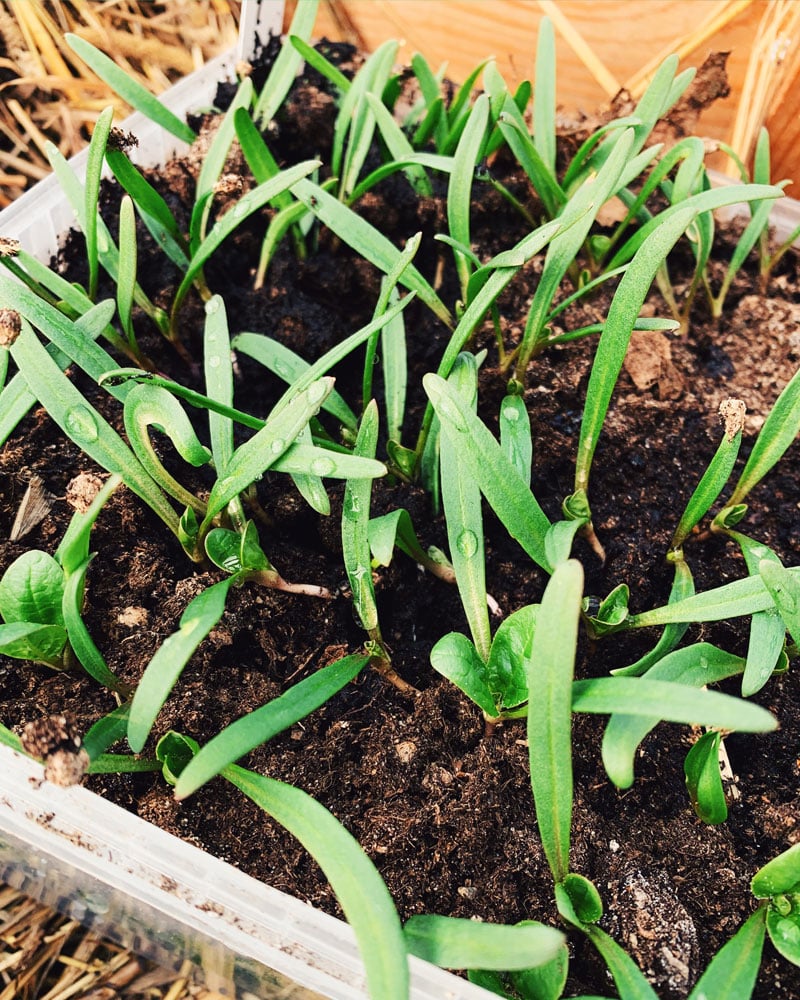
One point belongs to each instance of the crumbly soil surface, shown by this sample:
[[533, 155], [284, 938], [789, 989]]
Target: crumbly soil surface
[[445, 813]]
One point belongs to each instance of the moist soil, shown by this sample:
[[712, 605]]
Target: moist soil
[[444, 811]]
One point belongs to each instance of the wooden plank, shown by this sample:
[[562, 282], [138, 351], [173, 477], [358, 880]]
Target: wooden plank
[[622, 35]]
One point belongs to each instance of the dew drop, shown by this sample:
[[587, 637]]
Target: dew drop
[[239, 211], [510, 414], [81, 424], [282, 371], [214, 361], [467, 543], [351, 508], [278, 446], [322, 466], [451, 414], [212, 306], [317, 391]]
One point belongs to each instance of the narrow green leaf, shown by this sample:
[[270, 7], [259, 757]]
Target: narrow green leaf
[[742, 597], [260, 348], [74, 339], [232, 219], [777, 432], [670, 702], [461, 498], [264, 723], [356, 110], [578, 216], [715, 476], [703, 779], [126, 280], [83, 646], [359, 888], [682, 587], [94, 167], [509, 497], [147, 405], [284, 69], [162, 672], [129, 89], [784, 588], [781, 874], [628, 978], [732, 972], [458, 943], [322, 65], [213, 163], [459, 190], [260, 452], [107, 731], [697, 666], [399, 147], [355, 521], [544, 95], [394, 361], [366, 240], [625, 307], [705, 201], [73, 549], [549, 663], [515, 435], [154, 211]]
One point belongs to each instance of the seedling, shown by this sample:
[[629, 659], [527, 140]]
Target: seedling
[[41, 601]]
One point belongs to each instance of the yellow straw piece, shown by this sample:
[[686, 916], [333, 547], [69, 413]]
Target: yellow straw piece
[[773, 52], [719, 15], [581, 48]]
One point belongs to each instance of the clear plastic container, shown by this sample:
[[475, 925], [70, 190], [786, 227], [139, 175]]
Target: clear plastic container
[[128, 880]]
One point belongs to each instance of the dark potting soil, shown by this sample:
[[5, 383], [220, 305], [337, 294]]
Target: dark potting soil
[[446, 813]]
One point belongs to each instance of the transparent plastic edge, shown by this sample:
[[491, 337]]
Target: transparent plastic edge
[[173, 902]]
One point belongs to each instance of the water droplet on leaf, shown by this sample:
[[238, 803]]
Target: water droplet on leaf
[[212, 306], [322, 466], [317, 392], [81, 424], [451, 414], [278, 446], [467, 543], [351, 508]]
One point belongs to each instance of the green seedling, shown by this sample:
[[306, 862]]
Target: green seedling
[[396, 530], [507, 494], [260, 726], [469, 152], [703, 778], [757, 230], [359, 888], [778, 883], [151, 207], [454, 943], [285, 68], [356, 550], [100, 246], [392, 339], [461, 498], [41, 601]]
